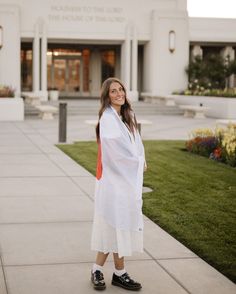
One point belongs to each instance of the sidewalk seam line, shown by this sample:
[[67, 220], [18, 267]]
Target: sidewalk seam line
[[4, 274], [68, 263], [45, 153], [87, 194], [174, 278], [177, 258], [46, 222], [70, 177]]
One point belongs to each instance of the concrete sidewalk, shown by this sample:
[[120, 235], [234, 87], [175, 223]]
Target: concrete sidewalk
[[46, 209]]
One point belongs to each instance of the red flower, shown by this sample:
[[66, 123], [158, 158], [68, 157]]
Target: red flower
[[217, 152]]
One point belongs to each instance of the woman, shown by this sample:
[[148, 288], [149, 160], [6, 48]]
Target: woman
[[118, 220]]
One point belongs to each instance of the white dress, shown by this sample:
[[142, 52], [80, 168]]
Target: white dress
[[118, 219]]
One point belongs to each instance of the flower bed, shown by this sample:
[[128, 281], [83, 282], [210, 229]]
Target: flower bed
[[219, 145], [201, 91], [6, 91]]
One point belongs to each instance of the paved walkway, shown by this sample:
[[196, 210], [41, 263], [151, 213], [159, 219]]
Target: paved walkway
[[46, 208]]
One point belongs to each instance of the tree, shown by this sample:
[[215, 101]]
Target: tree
[[210, 72]]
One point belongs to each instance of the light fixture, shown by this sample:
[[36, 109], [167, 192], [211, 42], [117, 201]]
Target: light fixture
[[1, 37], [172, 41]]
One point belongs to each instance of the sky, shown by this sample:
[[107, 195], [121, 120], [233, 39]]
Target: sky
[[212, 8]]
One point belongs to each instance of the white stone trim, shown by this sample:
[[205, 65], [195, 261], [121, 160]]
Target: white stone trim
[[11, 109]]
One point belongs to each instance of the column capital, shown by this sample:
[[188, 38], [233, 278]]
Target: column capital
[[228, 51], [196, 51]]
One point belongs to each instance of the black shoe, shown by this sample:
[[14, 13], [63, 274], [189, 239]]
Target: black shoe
[[125, 282], [98, 280]]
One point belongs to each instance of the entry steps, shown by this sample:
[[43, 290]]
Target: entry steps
[[91, 107]]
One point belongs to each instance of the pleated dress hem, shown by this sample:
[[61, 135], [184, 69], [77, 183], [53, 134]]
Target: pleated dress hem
[[108, 239]]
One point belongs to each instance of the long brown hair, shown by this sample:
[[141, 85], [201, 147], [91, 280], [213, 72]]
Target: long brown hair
[[126, 110]]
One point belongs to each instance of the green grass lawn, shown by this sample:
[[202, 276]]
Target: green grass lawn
[[193, 198]]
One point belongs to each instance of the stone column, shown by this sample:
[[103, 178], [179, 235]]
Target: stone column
[[130, 67], [44, 62], [117, 64], [36, 59], [166, 69], [229, 53], [122, 62], [196, 51], [95, 73], [181, 4], [134, 60], [125, 59]]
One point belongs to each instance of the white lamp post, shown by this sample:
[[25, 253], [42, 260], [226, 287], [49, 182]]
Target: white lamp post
[[1, 36], [172, 41]]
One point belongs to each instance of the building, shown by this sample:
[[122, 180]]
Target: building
[[73, 45]]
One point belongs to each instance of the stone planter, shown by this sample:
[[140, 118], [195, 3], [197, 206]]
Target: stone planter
[[11, 109], [219, 107], [53, 95]]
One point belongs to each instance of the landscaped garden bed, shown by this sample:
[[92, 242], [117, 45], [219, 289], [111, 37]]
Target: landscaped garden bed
[[219, 145], [211, 85]]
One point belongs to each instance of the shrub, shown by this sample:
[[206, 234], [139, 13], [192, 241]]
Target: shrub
[[210, 73], [6, 91]]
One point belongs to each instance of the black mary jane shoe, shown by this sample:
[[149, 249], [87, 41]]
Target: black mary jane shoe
[[97, 280], [125, 282]]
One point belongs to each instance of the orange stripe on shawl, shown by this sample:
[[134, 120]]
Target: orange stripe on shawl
[[99, 163]]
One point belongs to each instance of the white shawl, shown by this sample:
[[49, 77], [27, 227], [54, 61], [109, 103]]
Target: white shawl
[[118, 194]]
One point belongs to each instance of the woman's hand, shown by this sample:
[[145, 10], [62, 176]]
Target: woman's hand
[[145, 166]]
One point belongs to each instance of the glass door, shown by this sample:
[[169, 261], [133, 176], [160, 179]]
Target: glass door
[[59, 74], [68, 71], [74, 78], [67, 76]]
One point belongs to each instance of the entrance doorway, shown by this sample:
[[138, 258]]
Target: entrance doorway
[[67, 75], [68, 71], [79, 70], [76, 70]]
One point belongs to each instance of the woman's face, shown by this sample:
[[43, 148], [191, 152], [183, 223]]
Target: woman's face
[[116, 95]]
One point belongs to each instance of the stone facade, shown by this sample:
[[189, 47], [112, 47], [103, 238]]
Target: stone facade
[[74, 45]]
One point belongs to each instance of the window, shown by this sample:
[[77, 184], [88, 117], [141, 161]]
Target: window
[[108, 64], [26, 67]]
